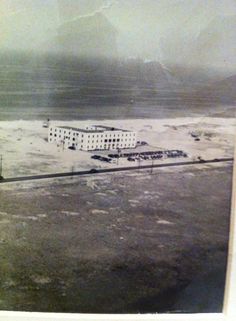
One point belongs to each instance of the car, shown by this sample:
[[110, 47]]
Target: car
[[72, 147], [201, 160]]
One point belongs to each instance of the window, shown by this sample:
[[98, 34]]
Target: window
[[50, 134], [114, 140], [109, 140], [105, 140]]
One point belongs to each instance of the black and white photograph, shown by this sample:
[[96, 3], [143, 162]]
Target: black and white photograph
[[117, 138]]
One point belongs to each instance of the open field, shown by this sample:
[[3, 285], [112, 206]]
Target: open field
[[26, 150], [117, 243]]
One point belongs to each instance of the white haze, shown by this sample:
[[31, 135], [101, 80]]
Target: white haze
[[164, 30]]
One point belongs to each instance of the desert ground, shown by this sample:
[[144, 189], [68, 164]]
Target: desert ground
[[117, 243], [128, 242], [26, 151]]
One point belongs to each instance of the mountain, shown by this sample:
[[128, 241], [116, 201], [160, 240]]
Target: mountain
[[217, 42], [212, 46], [91, 36], [224, 90]]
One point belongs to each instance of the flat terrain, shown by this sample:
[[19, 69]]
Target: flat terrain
[[26, 151], [124, 242]]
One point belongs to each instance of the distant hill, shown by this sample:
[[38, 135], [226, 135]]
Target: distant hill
[[217, 43], [224, 90], [57, 80], [212, 47], [91, 36]]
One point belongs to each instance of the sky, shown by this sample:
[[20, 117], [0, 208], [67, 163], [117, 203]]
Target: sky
[[148, 29]]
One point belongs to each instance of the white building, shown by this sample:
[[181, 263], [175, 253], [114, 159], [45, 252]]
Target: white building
[[92, 138]]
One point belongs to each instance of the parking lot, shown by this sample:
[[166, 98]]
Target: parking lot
[[139, 156]]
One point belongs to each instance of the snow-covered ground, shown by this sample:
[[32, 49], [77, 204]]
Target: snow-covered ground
[[26, 151]]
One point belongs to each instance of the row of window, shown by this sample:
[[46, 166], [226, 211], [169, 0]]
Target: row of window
[[105, 140], [105, 146], [93, 136]]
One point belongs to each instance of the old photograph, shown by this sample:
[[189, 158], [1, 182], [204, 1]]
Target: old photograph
[[117, 134]]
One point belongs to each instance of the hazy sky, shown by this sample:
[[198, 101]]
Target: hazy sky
[[146, 28]]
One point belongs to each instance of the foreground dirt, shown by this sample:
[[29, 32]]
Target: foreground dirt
[[117, 243]]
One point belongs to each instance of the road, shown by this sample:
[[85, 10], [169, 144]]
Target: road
[[110, 170]]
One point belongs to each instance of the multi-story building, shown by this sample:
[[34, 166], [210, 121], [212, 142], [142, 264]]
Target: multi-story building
[[92, 138]]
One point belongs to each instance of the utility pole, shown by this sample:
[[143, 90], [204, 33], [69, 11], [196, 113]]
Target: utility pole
[[118, 158], [72, 171], [139, 162], [1, 166], [152, 165]]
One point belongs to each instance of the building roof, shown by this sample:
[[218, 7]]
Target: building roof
[[97, 129], [81, 130]]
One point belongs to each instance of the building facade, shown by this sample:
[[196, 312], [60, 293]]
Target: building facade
[[92, 138]]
